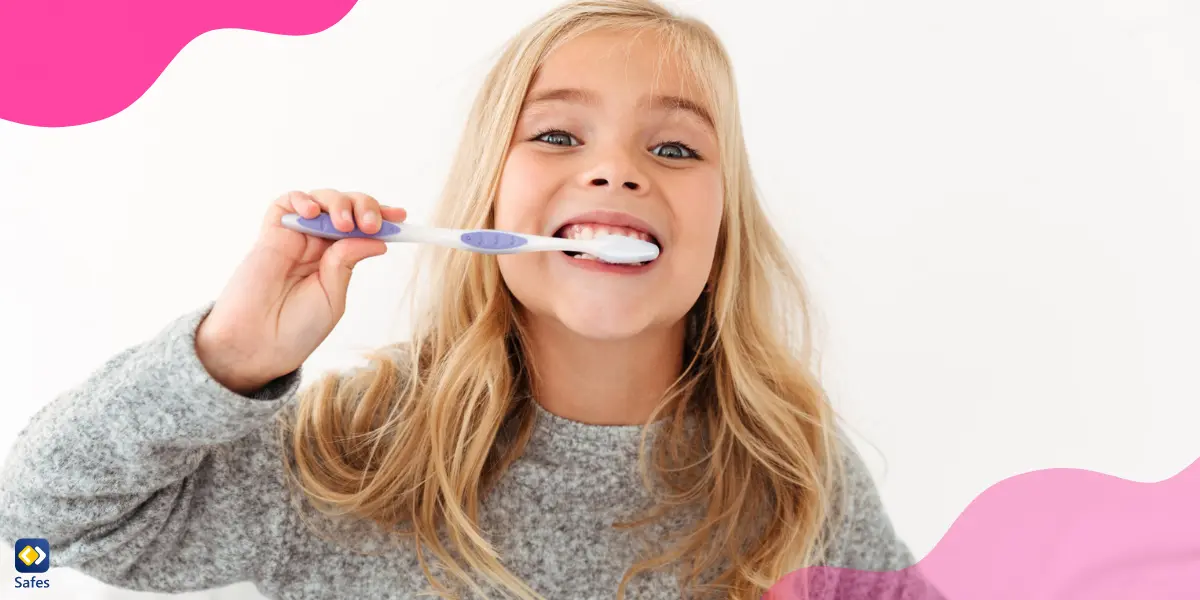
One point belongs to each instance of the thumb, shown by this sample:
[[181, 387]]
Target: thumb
[[339, 261]]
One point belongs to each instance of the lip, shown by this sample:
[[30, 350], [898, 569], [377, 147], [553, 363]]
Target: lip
[[613, 218]]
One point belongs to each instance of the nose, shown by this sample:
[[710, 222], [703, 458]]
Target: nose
[[629, 185], [616, 169]]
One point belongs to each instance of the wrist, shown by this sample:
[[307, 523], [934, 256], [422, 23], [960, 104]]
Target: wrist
[[219, 356]]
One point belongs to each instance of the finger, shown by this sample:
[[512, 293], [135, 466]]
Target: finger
[[304, 204], [366, 212], [339, 207], [338, 263], [393, 213], [291, 202]]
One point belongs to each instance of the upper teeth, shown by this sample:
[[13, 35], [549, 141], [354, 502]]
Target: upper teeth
[[587, 231]]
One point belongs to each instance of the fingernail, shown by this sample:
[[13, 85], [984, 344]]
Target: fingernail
[[348, 217], [369, 217]]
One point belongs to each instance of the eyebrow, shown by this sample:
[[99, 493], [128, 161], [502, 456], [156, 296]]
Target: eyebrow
[[590, 98]]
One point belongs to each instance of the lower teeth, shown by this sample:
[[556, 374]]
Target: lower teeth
[[585, 256]]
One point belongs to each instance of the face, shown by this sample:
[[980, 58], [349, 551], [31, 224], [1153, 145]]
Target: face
[[612, 140]]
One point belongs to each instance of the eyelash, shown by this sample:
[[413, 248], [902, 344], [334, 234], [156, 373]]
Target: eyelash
[[688, 149]]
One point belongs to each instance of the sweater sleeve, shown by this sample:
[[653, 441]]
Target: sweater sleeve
[[151, 475], [869, 559]]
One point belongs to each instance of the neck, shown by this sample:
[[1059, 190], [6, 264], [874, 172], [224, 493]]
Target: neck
[[603, 382]]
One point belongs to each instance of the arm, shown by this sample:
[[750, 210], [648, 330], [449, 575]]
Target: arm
[[151, 475]]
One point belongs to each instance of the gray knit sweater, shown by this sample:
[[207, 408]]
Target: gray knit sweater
[[152, 476]]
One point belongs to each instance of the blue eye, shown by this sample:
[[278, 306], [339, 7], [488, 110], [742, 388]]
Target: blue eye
[[674, 150], [557, 138]]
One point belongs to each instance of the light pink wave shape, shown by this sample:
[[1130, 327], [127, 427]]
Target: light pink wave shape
[[72, 62], [1055, 534]]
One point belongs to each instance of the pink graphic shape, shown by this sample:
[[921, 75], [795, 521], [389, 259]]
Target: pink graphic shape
[[1056, 534], [72, 62]]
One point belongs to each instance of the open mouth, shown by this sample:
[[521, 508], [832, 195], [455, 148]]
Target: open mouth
[[588, 231]]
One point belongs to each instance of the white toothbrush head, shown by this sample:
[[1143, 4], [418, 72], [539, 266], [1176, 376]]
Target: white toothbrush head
[[622, 250]]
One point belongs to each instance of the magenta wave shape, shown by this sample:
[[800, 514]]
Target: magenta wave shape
[[1055, 534], [73, 62]]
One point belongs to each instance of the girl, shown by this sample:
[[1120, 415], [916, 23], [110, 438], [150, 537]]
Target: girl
[[556, 427]]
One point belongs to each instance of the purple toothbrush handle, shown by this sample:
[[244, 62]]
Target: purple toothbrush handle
[[322, 226], [485, 239]]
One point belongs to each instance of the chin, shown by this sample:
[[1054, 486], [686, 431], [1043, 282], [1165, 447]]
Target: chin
[[602, 321]]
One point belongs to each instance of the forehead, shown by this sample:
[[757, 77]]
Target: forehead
[[616, 67], [638, 53]]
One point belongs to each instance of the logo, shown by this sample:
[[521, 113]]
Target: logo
[[33, 555]]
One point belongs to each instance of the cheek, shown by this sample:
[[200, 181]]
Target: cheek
[[698, 216], [521, 200], [523, 193]]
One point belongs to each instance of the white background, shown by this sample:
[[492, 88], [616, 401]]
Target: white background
[[997, 205]]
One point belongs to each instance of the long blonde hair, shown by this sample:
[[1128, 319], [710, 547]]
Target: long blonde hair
[[414, 442]]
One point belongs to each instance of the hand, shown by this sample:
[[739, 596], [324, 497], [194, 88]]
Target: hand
[[289, 292]]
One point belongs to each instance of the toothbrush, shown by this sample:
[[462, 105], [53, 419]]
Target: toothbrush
[[609, 248]]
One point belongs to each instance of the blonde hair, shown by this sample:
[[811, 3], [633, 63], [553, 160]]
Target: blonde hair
[[414, 442]]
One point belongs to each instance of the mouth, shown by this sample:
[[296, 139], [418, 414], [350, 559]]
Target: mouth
[[581, 230]]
